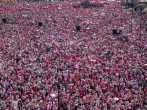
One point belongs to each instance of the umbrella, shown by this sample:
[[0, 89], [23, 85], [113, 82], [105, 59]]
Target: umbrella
[[92, 60], [53, 95], [103, 84], [116, 99], [76, 66]]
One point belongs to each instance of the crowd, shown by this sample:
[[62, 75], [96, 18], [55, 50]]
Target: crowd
[[55, 67]]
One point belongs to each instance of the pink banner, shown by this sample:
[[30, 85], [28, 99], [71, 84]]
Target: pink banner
[[26, 9]]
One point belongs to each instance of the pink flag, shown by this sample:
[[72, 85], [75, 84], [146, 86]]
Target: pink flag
[[103, 84]]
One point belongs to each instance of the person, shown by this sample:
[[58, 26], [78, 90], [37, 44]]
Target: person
[[15, 104]]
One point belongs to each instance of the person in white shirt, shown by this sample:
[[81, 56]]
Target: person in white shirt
[[15, 104]]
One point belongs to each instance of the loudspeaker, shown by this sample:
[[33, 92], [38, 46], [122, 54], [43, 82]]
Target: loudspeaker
[[135, 9], [78, 28], [125, 38], [130, 5], [114, 32], [54, 21], [40, 24], [17, 59], [76, 107], [120, 32], [119, 38], [4, 20]]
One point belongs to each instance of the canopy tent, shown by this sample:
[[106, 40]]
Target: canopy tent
[[9, 1]]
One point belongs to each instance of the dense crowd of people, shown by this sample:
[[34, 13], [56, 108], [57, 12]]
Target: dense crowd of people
[[56, 67]]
